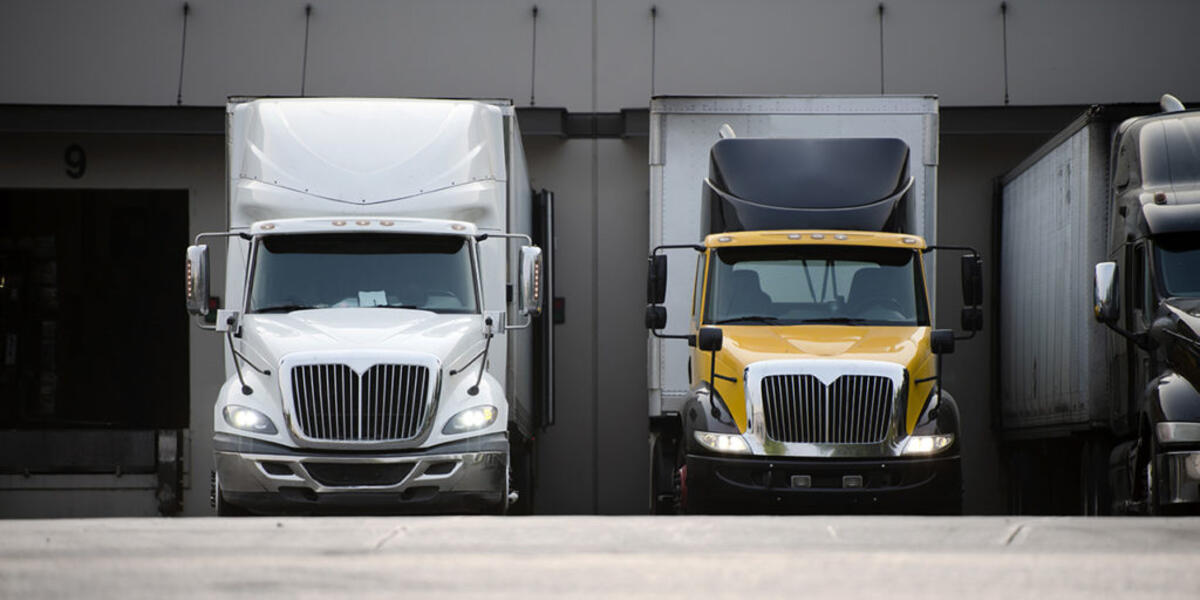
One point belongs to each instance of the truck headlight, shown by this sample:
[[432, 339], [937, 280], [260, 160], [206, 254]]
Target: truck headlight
[[471, 419], [728, 443], [923, 445], [248, 419]]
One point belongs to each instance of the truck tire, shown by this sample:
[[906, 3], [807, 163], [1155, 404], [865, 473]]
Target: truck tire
[[521, 476], [1147, 474], [663, 485]]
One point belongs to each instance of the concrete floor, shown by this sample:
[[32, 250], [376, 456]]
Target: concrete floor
[[700, 557]]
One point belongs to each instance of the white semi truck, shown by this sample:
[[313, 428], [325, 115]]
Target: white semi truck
[[385, 344]]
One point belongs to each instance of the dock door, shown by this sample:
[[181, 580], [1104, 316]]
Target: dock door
[[94, 371]]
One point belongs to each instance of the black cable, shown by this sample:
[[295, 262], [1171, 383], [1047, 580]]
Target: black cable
[[304, 65], [1004, 34], [533, 60], [182, 54], [880, 47], [653, 46]]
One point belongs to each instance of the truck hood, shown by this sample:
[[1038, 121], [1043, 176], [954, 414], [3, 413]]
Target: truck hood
[[746, 344], [273, 336]]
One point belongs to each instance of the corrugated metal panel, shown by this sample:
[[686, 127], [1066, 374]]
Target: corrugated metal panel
[[1054, 228]]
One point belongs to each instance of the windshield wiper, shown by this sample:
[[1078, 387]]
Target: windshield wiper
[[836, 320], [396, 305], [282, 308], [759, 318]]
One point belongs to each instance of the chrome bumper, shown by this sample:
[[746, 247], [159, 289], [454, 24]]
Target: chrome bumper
[[1181, 477], [254, 473]]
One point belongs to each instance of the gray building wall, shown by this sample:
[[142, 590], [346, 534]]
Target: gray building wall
[[590, 56]]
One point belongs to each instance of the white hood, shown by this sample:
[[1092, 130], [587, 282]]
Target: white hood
[[444, 336]]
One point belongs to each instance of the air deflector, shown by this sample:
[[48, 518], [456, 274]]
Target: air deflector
[[806, 183]]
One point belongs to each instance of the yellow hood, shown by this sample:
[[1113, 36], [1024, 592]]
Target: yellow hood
[[746, 344]]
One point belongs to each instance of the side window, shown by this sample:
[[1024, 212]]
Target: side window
[[698, 289]]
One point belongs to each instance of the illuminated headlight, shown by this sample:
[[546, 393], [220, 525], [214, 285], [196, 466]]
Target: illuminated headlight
[[248, 419], [471, 419], [728, 443], [928, 444]]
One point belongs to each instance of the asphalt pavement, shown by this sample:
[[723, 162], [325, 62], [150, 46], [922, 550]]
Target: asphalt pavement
[[606, 557]]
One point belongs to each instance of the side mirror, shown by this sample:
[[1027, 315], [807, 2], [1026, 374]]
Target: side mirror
[[941, 341], [972, 280], [710, 339], [656, 280], [1106, 303], [530, 278], [656, 317], [972, 318], [197, 280]]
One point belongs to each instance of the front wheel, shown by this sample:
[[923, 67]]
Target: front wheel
[[664, 482]]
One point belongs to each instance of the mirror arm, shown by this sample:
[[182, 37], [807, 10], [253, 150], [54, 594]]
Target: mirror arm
[[696, 247], [970, 335], [1141, 340]]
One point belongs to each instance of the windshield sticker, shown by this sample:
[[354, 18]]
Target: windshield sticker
[[368, 299]]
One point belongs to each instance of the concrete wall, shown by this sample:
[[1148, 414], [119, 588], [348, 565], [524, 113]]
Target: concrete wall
[[591, 56]]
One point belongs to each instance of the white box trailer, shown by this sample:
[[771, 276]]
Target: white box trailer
[[682, 132], [385, 348], [1053, 361]]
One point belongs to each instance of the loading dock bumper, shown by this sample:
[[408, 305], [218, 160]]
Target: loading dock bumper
[[823, 486], [469, 475]]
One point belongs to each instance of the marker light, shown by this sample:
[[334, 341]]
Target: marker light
[[909, 240], [267, 226], [728, 443], [723, 239], [338, 223], [362, 223], [248, 419], [841, 236], [928, 444], [387, 223], [818, 236], [471, 419], [458, 227], [794, 236]]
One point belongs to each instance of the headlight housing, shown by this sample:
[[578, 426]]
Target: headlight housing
[[248, 419], [925, 445], [725, 443], [471, 419]]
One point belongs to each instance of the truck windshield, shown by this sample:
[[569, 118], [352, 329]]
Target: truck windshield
[[801, 284], [426, 272], [1178, 257]]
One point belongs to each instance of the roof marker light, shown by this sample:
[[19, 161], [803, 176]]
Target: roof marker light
[[458, 227], [841, 236], [338, 223], [364, 223], [818, 236], [794, 236], [909, 240], [267, 226], [387, 223], [724, 239]]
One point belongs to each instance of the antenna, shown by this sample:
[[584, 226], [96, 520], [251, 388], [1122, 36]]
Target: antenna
[[1170, 104]]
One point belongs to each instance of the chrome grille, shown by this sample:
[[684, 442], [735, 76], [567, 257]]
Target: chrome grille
[[387, 403], [854, 409]]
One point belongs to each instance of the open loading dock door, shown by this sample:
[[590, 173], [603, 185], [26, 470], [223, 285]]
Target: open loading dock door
[[94, 372]]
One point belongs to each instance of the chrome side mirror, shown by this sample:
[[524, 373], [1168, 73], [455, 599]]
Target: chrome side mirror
[[1106, 304], [530, 278], [198, 294]]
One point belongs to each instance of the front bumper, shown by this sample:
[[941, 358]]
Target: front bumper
[[469, 475], [885, 485]]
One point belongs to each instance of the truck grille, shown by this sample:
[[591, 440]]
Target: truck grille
[[387, 403], [854, 409]]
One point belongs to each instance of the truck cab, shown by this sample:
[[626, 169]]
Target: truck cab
[[814, 363], [1148, 294], [374, 360]]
